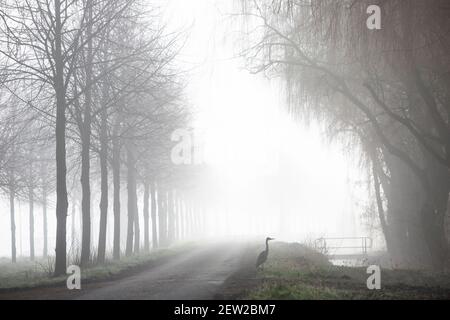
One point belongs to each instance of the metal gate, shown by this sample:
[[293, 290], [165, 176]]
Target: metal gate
[[333, 247]]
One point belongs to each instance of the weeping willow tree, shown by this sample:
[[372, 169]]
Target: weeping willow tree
[[386, 91]]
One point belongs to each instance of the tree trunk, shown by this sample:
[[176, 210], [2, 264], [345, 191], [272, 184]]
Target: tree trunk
[[190, 212], [195, 220], [104, 185], [86, 199], [132, 198], [179, 218], [381, 215], [202, 221], [72, 237], [176, 218], [116, 182], [60, 133], [170, 217], [137, 234], [146, 216], [182, 221], [13, 223], [162, 215], [154, 223], [31, 221], [44, 218], [377, 171], [433, 214], [86, 145], [187, 220]]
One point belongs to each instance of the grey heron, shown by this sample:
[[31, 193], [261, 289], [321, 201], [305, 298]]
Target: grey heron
[[263, 255]]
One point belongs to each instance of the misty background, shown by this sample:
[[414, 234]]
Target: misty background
[[296, 120], [269, 174]]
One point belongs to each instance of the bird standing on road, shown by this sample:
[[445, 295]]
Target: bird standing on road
[[263, 255]]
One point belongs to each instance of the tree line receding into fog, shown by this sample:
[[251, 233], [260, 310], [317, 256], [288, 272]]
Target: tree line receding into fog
[[90, 90]]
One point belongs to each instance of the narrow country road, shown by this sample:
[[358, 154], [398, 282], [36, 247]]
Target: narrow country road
[[194, 275]]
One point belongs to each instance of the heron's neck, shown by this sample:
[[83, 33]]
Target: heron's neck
[[267, 245]]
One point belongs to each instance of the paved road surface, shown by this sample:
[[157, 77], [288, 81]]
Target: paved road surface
[[194, 275]]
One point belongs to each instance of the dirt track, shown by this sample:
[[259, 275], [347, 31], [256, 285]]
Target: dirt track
[[195, 275]]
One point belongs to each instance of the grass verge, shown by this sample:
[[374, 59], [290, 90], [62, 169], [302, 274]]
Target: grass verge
[[296, 272], [26, 274]]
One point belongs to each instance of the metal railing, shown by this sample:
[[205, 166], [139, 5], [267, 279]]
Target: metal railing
[[364, 244]]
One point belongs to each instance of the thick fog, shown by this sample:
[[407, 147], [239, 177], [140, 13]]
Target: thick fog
[[267, 174], [224, 149]]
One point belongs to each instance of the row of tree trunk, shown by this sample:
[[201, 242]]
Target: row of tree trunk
[[168, 218]]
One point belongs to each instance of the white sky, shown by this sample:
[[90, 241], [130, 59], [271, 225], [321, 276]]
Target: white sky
[[245, 131]]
